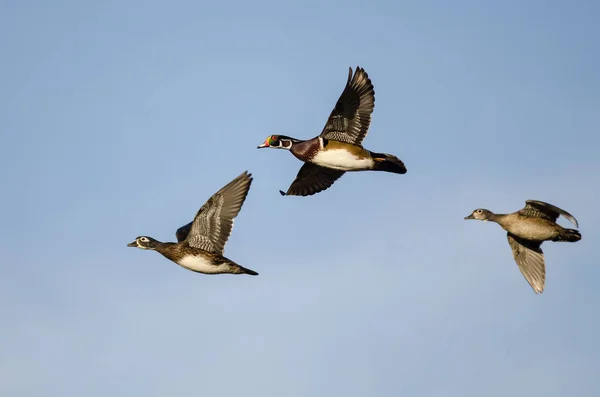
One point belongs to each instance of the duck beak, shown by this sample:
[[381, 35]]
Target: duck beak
[[265, 144], [134, 244], [469, 217]]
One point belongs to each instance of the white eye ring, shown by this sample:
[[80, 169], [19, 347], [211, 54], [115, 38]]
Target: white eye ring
[[144, 240]]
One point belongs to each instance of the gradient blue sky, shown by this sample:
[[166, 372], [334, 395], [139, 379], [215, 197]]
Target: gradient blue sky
[[120, 118]]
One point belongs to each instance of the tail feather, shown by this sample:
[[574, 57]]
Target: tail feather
[[248, 271], [569, 235], [388, 162]]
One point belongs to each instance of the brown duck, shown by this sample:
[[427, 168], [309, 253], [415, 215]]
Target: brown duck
[[200, 243], [338, 149], [527, 229]]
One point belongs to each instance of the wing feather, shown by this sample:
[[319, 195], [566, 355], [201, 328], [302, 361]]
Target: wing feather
[[213, 223], [540, 209], [350, 119], [312, 179], [530, 259]]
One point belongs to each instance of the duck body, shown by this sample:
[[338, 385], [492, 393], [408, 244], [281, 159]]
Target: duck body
[[201, 261], [341, 156], [536, 229], [343, 159], [333, 154]]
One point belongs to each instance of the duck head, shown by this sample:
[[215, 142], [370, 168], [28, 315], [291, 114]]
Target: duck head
[[278, 142], [145, 243], [481, 214]]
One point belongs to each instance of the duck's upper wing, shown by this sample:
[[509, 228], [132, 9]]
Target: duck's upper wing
[[540, 209], [530, 259], [213, 223], [312, 179], [350, 119]]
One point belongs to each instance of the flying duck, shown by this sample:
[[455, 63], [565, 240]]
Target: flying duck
[[527, 229], [338, 149], [200, 243]]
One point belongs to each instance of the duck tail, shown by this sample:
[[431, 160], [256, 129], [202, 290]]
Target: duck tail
[[569, 235], [243, 270], [388, 162]]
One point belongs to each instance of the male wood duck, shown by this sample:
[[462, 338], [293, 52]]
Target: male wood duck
[[338, 149], [527, 229], [200, 243]]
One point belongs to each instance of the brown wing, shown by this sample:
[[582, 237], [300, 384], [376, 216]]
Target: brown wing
[[350, 119], [312, 179], [539, 209], [530, 259], [213, 223]]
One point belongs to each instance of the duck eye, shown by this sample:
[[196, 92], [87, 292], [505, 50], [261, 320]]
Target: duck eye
[[144, 240], [479, 211]]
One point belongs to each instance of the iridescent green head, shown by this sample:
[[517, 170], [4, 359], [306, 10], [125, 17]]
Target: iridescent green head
[[278, 142]]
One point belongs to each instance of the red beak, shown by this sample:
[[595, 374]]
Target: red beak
[[265, 144]]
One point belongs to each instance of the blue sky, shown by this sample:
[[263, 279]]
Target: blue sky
[[120, 119]]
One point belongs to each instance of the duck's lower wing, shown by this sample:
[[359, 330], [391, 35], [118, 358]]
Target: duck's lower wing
[[312, 179], [530, 259], [183, 232]]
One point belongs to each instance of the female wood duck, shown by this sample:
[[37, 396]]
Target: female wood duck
[[527, 229], [200, 243], [338, 149]]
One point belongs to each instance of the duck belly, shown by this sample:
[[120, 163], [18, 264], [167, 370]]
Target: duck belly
[[342, 160], [533, 230], [202, 265]]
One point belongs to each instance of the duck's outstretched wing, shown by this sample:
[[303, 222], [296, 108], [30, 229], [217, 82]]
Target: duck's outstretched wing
[[540, 209], [312, 179], [350, 119], [530, 259], [213, 223]]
